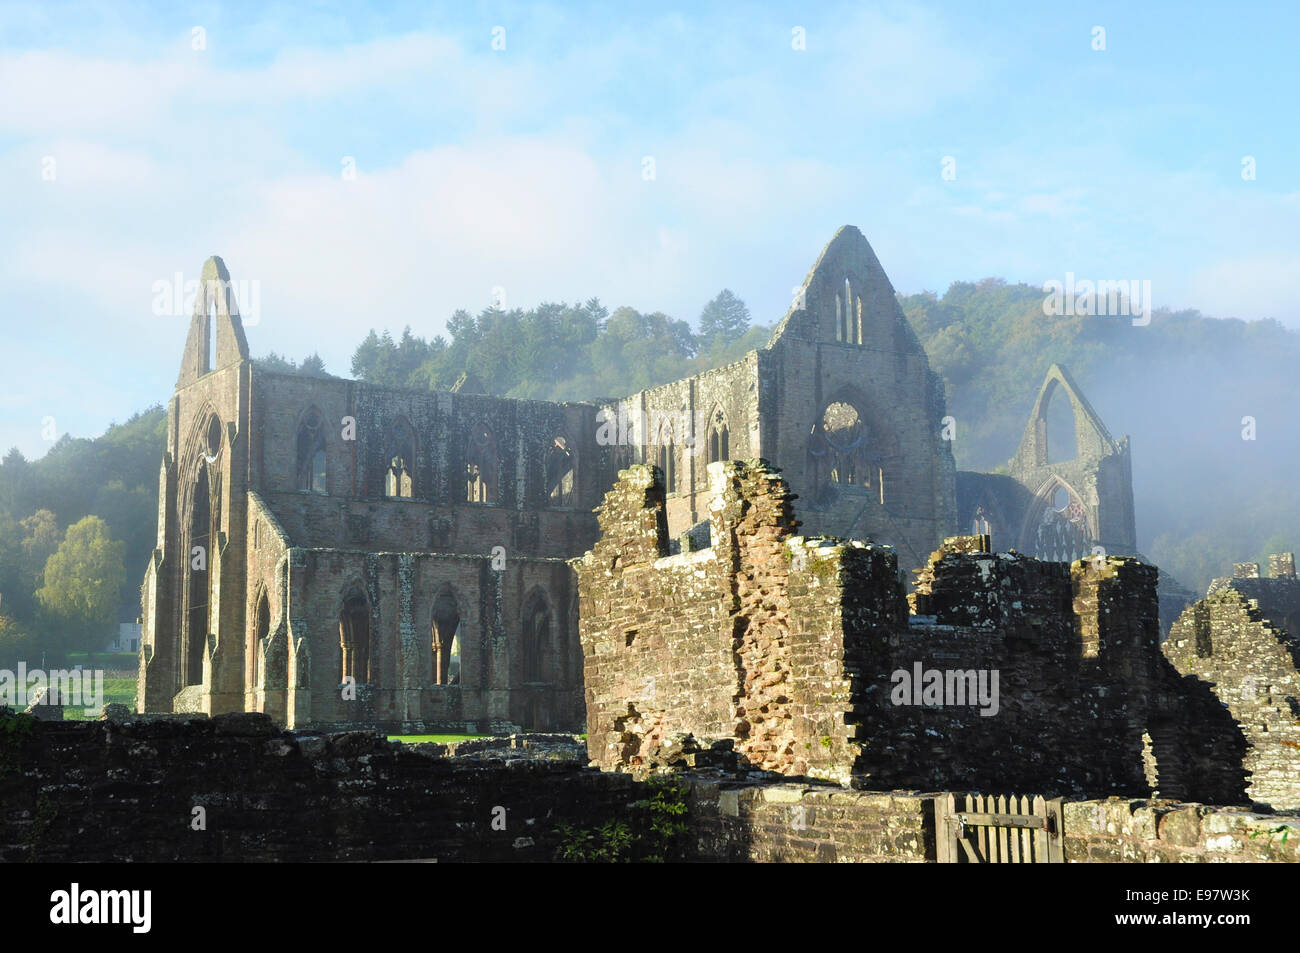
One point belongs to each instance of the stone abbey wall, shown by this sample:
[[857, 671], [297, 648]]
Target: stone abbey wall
[[799, 656]]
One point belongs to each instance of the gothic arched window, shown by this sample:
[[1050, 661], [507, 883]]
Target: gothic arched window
[[481, 466], [559, 473], [354, 637], [399, 481], [719, 437], [536, 638], [666, 456], [311, 453], [1062, 532], [446, 626], [840, 450]]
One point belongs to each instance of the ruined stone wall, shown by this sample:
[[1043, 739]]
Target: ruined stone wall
[[785, 822], [1276, 595], [794, 823], [1083, 696], [809, 646], [269, 795], [1228, 644], [128, 790], [1117, 830], [740, 644]]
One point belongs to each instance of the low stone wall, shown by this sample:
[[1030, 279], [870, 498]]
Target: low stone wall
[[1146, 831], [777, 822], [127, 790], [801, 823]]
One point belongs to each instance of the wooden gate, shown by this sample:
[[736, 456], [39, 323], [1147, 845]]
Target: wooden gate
[[998, 829]]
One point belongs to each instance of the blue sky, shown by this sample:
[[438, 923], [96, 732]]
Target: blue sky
[[522, 168]]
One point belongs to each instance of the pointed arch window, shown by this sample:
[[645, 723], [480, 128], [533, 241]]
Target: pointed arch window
[[849, 324], [213, 438], [536, 646], [261, 629], [210, 333], [311, 453], [481, 466], [1062, 532], [199, 590], [399, 481], [719, 437], [560, 472], [666, 456], [446, 640], [354, 637]]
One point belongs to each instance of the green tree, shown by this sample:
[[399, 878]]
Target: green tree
[[15, 643], [12, 589], [313, 366], [724, 319], [15, 482], [41, 539], [83, 582]]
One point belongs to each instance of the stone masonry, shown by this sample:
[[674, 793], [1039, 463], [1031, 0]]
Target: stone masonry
[[272, 795], [1241, 641], [803, 657]]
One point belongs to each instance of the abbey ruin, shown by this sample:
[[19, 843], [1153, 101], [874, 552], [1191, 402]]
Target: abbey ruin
[[333, 553], [768, 581]]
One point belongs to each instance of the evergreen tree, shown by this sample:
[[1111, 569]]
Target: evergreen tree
[[724, 319]]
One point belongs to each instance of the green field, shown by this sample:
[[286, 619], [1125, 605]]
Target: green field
[[119, 691], [114, 660], [437, 739]]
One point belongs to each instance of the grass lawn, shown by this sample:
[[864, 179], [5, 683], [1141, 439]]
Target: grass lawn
[[437, 739], [114, 660], [116, 691]]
